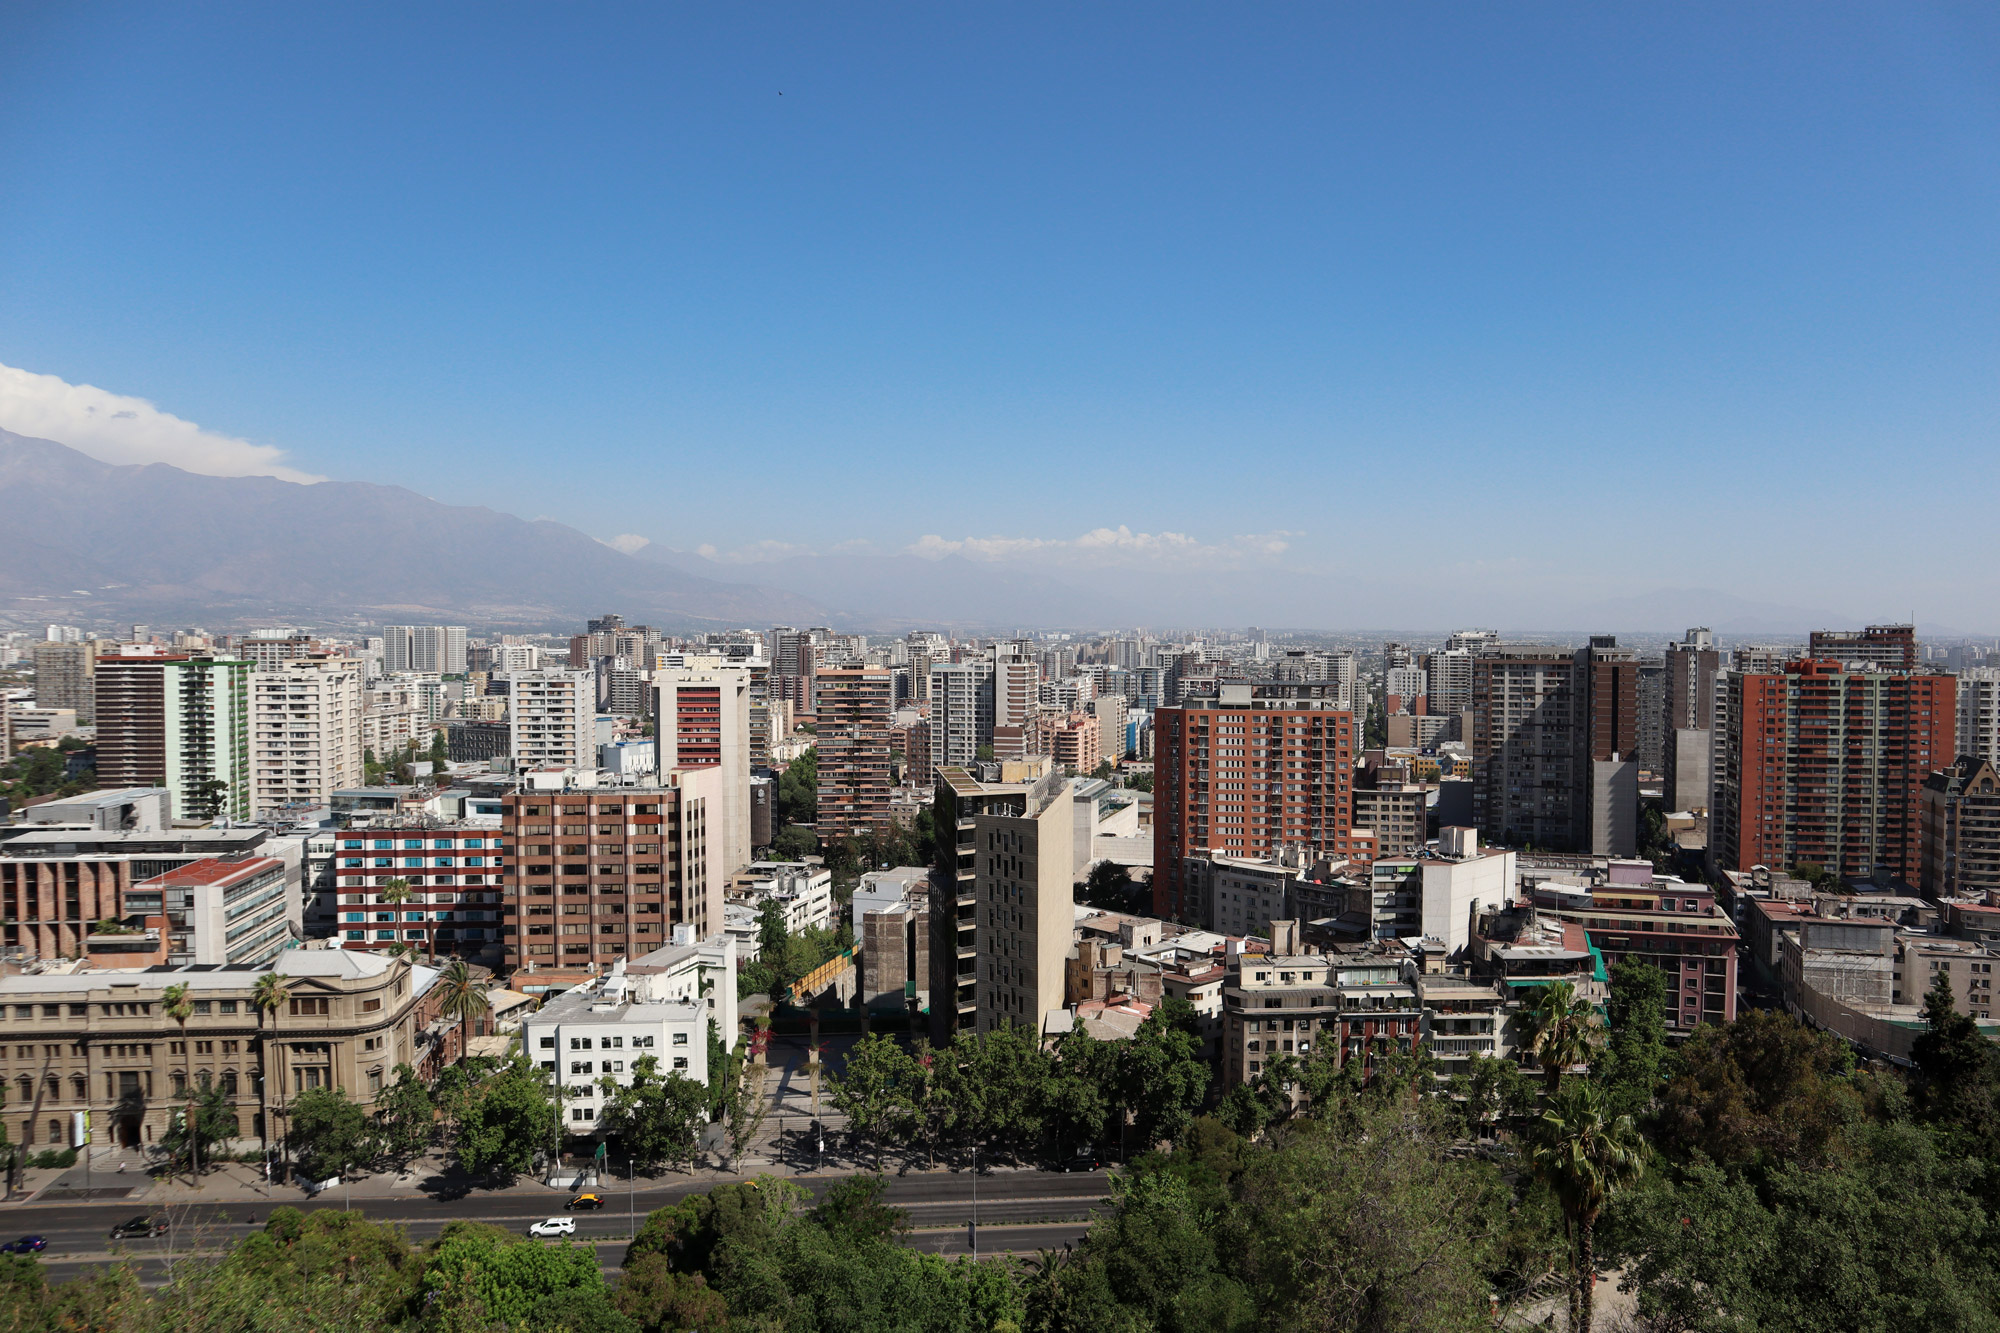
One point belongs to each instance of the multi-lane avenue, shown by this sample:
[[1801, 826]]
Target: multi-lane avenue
[[1018, 1211]]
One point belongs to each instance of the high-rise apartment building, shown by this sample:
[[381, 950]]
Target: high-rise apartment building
[[1891, 646], [1979, 713], [271, 648], [1651, 743], [856, 710], [1608, 691], [66, 677], [1249, 771], [1827, 765], [305, 725], [1524, 750], [702, 720], [795, 660], [1687, 718], [1017, 681], [1553, 745], [596, 874], [1110, 711], [1448, 678], [1003, 911], [168, 720], [1961, 831], [1075, 742], [1762, 657], [961, 695], [1339, 668], [1409, 685], [552, 715], [438, 648]]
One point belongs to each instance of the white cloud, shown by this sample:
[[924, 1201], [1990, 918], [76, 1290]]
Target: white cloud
[[1100, 548], [114, 428], [1111, 546], [628, 542]]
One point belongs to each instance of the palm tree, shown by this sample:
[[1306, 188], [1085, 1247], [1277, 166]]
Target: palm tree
[[175, 1004], [1560, 1029], [268, 996], [396, 892], [461, 996], [1586, 1157]]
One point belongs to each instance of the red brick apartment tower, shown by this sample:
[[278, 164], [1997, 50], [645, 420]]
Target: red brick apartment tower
[[601, 873], [1827, 765], [1247, 772]]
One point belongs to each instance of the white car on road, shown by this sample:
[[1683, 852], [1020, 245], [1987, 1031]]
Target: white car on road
[[554, 1226]]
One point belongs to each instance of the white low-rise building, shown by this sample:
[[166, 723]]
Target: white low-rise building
[[604, 1030], [702, 971], [803, 891], [1461, 877], [881, 890]]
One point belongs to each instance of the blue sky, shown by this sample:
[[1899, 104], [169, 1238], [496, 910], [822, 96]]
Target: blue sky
[[1588, 300]]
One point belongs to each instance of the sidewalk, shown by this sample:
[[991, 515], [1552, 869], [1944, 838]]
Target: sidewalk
[[237, 1182]]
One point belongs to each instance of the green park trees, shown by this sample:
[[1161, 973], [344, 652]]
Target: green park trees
[[405, 1117], [506, 1121], [330, 1133], [656, 1118], [1003, 1093]]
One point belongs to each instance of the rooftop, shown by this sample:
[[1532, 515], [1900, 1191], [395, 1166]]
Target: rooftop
[[302, 964], [215, 870]]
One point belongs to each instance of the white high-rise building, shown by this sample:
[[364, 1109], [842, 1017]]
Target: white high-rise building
[[1407, 683], [1448, 676], [961, 711], [436, 648], [552, 719], [1979, 713], [305, 730], [516, 657]]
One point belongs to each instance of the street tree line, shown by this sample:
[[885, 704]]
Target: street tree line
[[1007, 1095]]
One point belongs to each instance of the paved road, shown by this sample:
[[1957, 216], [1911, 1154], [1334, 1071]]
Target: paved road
[[1018, 1210]]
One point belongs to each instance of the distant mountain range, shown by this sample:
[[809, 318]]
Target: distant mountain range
[[91, 540], [86, 542]]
